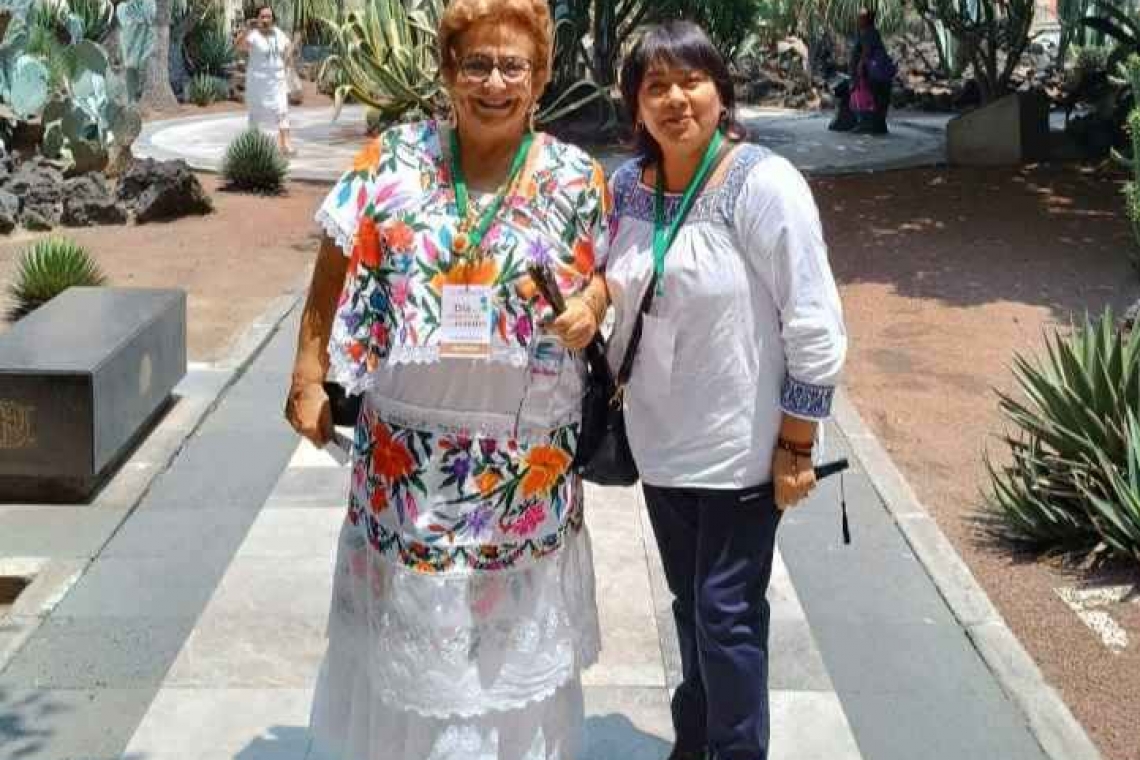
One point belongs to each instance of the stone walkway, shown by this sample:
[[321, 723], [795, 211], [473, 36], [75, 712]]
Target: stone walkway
[[195, 625], [325, 148]]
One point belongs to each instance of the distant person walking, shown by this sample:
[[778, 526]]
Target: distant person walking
[[266, 83], [871, 67]]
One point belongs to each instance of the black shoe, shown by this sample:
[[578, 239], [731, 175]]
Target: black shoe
[[687, 754]]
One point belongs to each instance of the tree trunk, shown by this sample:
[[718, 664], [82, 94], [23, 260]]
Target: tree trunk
[[157, 94]]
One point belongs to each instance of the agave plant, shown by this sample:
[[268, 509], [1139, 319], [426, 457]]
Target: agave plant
[[48, 268], [91, 18], [1072, 436], [1116, 511], [204, 89], [210, 49], [386, 57], [253, 162]]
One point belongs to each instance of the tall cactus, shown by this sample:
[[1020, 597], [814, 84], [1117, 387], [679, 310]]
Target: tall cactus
[[136, 40], [23, 78]]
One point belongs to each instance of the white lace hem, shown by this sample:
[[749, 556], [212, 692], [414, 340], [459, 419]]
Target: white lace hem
[[460, 645], [333, 228]]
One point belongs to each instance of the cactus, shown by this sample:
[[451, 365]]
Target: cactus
[[136, 40]]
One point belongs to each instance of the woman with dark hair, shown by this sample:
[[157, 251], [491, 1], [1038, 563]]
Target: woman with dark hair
[[871, 64], [266, 81], [716, 248]]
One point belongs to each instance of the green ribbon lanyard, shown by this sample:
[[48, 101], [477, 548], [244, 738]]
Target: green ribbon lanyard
[[475, 237], [663, 237]]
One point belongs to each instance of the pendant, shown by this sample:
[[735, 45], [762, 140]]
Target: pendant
[[460, 243]]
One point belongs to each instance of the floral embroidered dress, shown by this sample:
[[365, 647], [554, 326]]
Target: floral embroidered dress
[[463, 603]]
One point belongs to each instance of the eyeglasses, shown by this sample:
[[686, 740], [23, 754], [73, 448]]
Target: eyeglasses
[[478, 68]]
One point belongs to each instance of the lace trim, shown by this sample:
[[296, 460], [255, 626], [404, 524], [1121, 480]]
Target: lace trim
[[424, 642], [483, 424], [356, 379], [334, 230]]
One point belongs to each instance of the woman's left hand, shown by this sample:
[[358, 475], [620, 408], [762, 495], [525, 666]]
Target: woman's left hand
[[575, 326], [793, 476]]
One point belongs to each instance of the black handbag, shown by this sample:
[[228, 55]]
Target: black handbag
[[604, 456], [345, 408]]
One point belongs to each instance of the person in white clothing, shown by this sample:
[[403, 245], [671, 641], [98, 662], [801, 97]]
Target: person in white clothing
[[266, 83], [737, 363]]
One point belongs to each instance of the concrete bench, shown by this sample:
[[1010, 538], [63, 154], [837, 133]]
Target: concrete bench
[[81, 379]]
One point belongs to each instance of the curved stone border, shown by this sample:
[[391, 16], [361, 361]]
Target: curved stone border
[[1060, 735], [326, 148]]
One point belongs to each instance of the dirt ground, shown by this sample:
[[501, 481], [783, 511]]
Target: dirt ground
[[944, 275], [232, 263]]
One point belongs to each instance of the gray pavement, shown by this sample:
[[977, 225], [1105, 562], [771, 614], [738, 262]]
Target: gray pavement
[[196, 627], [325, 148]]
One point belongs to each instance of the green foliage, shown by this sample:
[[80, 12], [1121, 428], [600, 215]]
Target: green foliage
[[48, 268], [210, 50], [45, 44], [994, 33], [1130, 73], [253, 162], [1117, 23], [95, 18], [92, 121], [25, 81], [386, 57], [1074, 436], [204, 89], [136, 40]]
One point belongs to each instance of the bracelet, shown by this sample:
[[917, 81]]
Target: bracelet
[[799, 449]]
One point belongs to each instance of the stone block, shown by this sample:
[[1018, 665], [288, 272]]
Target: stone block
[[81, 379], [1010, 130]]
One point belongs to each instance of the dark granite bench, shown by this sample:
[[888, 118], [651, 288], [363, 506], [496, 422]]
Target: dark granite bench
[[81, 379]]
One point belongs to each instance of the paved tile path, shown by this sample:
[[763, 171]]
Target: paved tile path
[[325, 149], [195, 630]]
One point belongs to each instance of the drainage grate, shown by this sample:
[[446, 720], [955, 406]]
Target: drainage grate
[[11, 586]]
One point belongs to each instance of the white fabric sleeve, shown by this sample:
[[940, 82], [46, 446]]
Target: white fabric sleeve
[[339, 213], [779, 229]]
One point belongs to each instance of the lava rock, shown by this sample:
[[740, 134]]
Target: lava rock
[[88, 201], [162, 190]]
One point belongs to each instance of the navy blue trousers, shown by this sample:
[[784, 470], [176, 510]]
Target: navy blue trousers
[[717, 549]]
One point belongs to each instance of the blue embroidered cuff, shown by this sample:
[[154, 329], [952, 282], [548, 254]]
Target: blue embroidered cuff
[[806, 400]]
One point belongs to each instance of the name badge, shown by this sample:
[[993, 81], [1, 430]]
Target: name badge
[[465, 330]]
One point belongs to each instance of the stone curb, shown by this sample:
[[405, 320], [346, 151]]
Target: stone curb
[[1050, 721], [54, 577]]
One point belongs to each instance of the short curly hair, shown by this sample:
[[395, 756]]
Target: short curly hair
[[531, 15]]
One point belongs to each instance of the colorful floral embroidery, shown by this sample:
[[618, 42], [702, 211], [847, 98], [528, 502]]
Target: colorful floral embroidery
[[463, 501], [395, 215]]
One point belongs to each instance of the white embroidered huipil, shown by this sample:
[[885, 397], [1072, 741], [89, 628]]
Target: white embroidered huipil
[[463, 604], [749, 324]]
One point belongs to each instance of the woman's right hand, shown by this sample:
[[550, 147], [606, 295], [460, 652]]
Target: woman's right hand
[[307, 409]]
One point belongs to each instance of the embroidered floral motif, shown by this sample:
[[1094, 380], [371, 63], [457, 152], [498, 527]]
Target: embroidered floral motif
[[462, 501], [395, 213]]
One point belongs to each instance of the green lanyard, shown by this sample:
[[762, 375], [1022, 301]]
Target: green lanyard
[[466, 241], [663, 237]]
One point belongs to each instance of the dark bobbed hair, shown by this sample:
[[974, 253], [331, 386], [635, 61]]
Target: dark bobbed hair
[[676, 43]]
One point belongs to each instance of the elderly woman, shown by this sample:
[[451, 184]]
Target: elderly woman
[[463, 602], [266, 84], [739, 354]]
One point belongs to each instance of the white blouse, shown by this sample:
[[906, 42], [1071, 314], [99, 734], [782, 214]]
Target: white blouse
[[749, 325]]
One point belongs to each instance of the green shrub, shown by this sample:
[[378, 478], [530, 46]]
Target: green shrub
[[204, 89], [210, 50], [1073, 444], [48, 268], [253, 162]]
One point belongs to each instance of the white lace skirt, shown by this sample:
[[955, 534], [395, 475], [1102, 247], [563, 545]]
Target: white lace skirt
[[462, 666]]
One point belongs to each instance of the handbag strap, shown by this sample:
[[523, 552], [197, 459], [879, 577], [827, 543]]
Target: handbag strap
[[626, 368]]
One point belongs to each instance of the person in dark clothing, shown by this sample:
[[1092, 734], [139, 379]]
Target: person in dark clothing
[[868, 44]]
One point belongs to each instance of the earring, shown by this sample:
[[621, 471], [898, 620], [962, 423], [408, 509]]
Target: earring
[[533, 116]]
